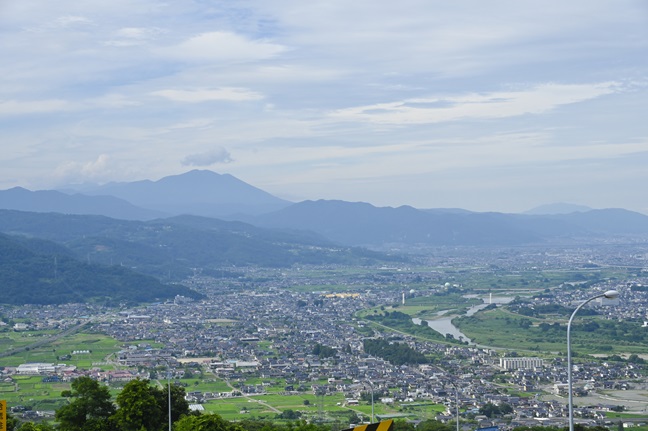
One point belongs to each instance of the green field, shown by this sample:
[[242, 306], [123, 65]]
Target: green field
[[332, 407], [99, 347], [30, 390], [503, 329]]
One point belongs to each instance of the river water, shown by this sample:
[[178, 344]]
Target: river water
[[443, 325]]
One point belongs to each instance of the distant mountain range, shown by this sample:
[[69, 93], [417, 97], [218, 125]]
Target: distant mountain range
[[22, 199], [122, 242], [171, 249], [558, 208], [366, 225], [208, 194], [197, 192]]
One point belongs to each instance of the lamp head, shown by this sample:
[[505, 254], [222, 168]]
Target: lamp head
[[611, 294]]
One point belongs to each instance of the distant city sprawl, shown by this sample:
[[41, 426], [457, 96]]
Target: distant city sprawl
[[333, 336]]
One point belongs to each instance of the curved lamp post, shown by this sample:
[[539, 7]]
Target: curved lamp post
[[610, 294]]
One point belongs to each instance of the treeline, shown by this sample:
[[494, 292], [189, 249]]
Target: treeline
[[595, 333], [143, 407], [138, 407], [403, 322], [537, 310], [323, 351], [396, 353]]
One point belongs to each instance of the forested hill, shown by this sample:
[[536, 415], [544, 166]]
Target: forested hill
[[36, 271], [170, 249]]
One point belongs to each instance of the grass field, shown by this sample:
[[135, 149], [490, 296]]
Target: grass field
[[99, 347], [501, 328], [332, 407]]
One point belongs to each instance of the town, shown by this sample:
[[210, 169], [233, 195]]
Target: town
[[305, 330]]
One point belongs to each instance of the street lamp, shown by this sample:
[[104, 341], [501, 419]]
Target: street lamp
[[168, 370], [456, 396], [169, 390], [610, 294], [372, 399], [456, 402]]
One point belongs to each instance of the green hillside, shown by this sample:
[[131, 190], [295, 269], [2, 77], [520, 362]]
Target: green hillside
[[42, 272], [173, 248]]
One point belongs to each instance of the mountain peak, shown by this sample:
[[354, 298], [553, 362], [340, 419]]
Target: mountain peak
[[199, 192], [557, 208]]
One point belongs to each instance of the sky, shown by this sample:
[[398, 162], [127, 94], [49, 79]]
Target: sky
[[499, 105]]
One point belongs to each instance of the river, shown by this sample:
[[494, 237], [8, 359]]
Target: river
[[443, 325]]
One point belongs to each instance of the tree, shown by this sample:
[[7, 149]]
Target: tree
[[90, 408], [138, 408], [12, 422], [505, 409], [401, 425], [289, 414], [433, 425], [636, 359], [207, 422], [179, 405], [489, 410], [31, 426]]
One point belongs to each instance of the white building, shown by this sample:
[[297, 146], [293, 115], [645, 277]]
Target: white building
[[36, 368], [520, 363]]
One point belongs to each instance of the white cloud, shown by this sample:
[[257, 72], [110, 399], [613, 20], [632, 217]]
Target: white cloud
[[70, 21], [131, 36], [331, 91], [535, 100], [114, 101], [66, 22], [94, 170], [17, 107], [206, 95], [208, 158], [222, 46]]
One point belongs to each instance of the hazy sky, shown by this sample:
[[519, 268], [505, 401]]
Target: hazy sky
[[484, 105]]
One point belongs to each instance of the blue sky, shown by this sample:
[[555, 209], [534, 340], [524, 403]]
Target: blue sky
[[487, 106]]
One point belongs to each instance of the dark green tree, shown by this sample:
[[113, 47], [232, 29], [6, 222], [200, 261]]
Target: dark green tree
[[289, 414], [89, 409], [402, 425], [206, 422], [433, 425], [138, 408], [31, 426], [489, 410], [12, 422], [179, 405]]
